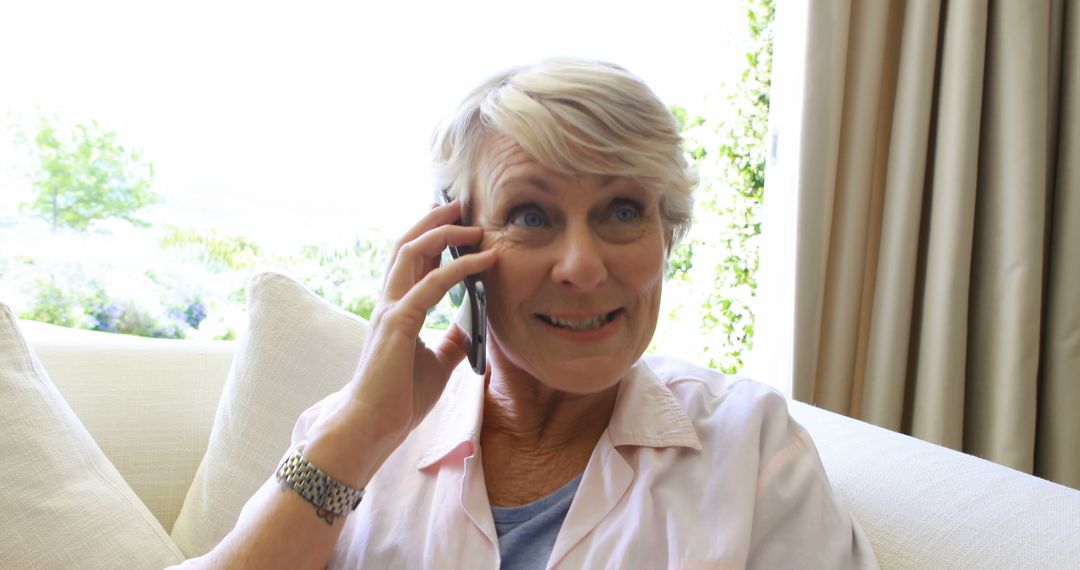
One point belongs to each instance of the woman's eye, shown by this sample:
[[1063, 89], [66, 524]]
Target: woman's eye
[[527, 217], [626, 213]]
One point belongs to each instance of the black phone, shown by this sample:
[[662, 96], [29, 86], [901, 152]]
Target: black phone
[[473, 318]]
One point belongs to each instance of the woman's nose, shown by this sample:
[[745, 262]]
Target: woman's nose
[[580, 263]]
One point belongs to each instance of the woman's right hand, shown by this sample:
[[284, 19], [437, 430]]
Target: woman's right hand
[[399, 378], [397, 382]]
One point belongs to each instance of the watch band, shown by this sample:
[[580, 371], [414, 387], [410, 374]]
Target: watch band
[[331, 498]]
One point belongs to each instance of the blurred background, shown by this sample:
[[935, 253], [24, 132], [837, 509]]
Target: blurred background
[[153, 156]]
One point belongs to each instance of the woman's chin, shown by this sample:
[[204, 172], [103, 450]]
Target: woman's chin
[[576, 369], [585, 375]]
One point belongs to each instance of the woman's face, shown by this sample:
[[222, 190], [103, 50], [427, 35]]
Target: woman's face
[[574, 297]]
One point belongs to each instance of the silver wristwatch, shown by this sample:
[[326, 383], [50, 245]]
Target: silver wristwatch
[[331, 498]]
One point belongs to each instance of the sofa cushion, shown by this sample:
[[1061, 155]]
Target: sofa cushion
[[297, 349], [148, 402], [64, 504], [925, 506]]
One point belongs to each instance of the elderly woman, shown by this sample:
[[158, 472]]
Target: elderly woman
[[573, 450]]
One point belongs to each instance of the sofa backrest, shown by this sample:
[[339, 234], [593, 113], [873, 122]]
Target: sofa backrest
[[148, 403], [926, 506]]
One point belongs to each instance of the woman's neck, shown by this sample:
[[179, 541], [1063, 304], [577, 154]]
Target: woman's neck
[[534, 439], [522, 410]]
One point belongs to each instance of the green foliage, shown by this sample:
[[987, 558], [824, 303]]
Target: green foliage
[[171, 300], [104, 297], [70, 305], [730, 156], [79, 302], [683, 118], [362, 306], [348, 276], [214, 252], [136, 320], [363, 258], [681, 261], [86, 175]]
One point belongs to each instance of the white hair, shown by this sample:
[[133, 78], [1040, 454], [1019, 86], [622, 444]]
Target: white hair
[[574, 116]]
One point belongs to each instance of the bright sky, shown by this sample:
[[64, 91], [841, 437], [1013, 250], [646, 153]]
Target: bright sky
[[310, 122]]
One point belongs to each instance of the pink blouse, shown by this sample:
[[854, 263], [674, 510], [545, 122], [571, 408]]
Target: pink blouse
[[695, 470]]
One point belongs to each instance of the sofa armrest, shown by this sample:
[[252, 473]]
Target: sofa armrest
[[148, 403], [926, 506]]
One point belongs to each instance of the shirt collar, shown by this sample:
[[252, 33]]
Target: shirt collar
[[459, 414], [646, 414]]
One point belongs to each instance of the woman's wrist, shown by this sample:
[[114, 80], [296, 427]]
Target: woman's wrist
[[349, 448]]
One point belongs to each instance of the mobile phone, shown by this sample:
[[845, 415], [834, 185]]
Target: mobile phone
[[472, 317]]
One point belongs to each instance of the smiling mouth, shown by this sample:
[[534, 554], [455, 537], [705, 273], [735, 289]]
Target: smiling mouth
[[585, 324]]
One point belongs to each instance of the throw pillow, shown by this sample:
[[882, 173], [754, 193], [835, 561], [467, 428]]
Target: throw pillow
[[149, 403], [64, 504], [297, 350]]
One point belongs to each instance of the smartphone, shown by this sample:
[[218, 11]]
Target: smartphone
[[472, 317]]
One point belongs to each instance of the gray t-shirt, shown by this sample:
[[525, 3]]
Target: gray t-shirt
[[527, 533]]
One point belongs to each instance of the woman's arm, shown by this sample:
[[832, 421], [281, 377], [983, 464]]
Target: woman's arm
[[798, 520], [279, 528], [396, 384]]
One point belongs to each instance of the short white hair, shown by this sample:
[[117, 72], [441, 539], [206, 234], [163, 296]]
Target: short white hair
[[574, 116]]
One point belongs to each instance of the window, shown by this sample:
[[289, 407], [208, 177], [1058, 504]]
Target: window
[[296, 140]]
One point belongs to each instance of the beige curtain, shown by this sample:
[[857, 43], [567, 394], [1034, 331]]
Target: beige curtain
[[937, 261]]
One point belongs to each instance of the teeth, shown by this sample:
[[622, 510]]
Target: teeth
[[579, 325]]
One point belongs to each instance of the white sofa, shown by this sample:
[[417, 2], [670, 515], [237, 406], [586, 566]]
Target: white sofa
[[922, 506]]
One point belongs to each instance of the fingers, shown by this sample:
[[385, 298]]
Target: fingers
[[439, 216], [414, 281], [435, 284], [419, 257], [453, 347], [405, 316]]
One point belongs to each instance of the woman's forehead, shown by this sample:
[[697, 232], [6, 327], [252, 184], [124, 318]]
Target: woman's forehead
[[504, 163], [500, 157]]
